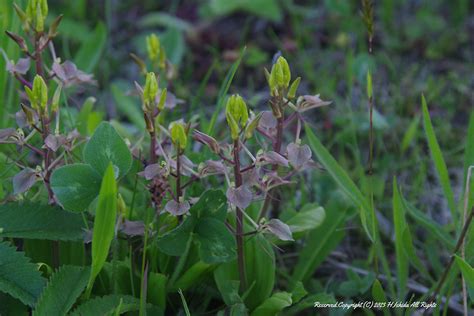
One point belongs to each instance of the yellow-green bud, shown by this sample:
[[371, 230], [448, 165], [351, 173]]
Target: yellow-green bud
[[293, 88], [150, 91], [55, 100], [252, 126], [38, 95], [161, 104], [178, 135], [280, 76], [23, 18], [153, 47], [36, 12], [236, 114]]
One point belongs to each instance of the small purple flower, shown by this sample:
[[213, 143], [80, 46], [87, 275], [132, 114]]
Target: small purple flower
[[177, 208], [241, 197]]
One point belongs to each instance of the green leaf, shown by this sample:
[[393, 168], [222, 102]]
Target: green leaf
[[36, 221], [438, 160], [273, 305], [400, 225], [410, 134], [106, 305], [18, 276], [156, 293], [378, 295], [174, 242], [174, 44], [466, 270], [212, 203], [298, 292], [91, 50], [310, 217], [75, 186], [104, 224], [128, 105], [62, 291], [320, 243], [192, 275], [411, 254], [260, 270], [271, 12], [367, 214], [106, 146], [216, 243]]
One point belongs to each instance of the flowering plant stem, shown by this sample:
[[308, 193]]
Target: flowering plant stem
[[239, 233]]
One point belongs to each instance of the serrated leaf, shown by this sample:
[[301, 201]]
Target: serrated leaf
[[18, 276], [104, 224], [106, 146], [216, 243], [106, 305], [62, 290], [75, 186], [36, 221]]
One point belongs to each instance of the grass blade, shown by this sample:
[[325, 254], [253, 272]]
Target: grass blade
[[438, 160], [400, 225], [366, 212], [104, 224]]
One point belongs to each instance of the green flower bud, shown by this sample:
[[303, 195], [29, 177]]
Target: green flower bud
[[150, 91], [38, 95], [55, 100], [293, 88], [153, 47], [23, 18], [161, 104], [252, 126], [178, 135], [236, 114], [280, 76], [36, 12]]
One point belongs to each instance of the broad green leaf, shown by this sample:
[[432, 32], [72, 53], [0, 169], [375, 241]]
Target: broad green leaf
[[91, 50], [75, 186], [438, 160], [107, 146], [18, 276], [174, 242], [174, 44], [298, 292], [62, 291], [466, 270], [156, 293], [212, 203], [310, 217], [320, 243], [216, 242], [106, 305], [273, 305], [104, 224], [400, 225], [192, 275], [366, 212], [36, 221], [378, 294]]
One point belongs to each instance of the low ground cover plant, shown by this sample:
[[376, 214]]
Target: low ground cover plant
[[190, 214]]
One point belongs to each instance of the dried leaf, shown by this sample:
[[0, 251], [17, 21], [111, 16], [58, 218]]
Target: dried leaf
[[24, 180], [279, 229], [175, 208], [298, 155]]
